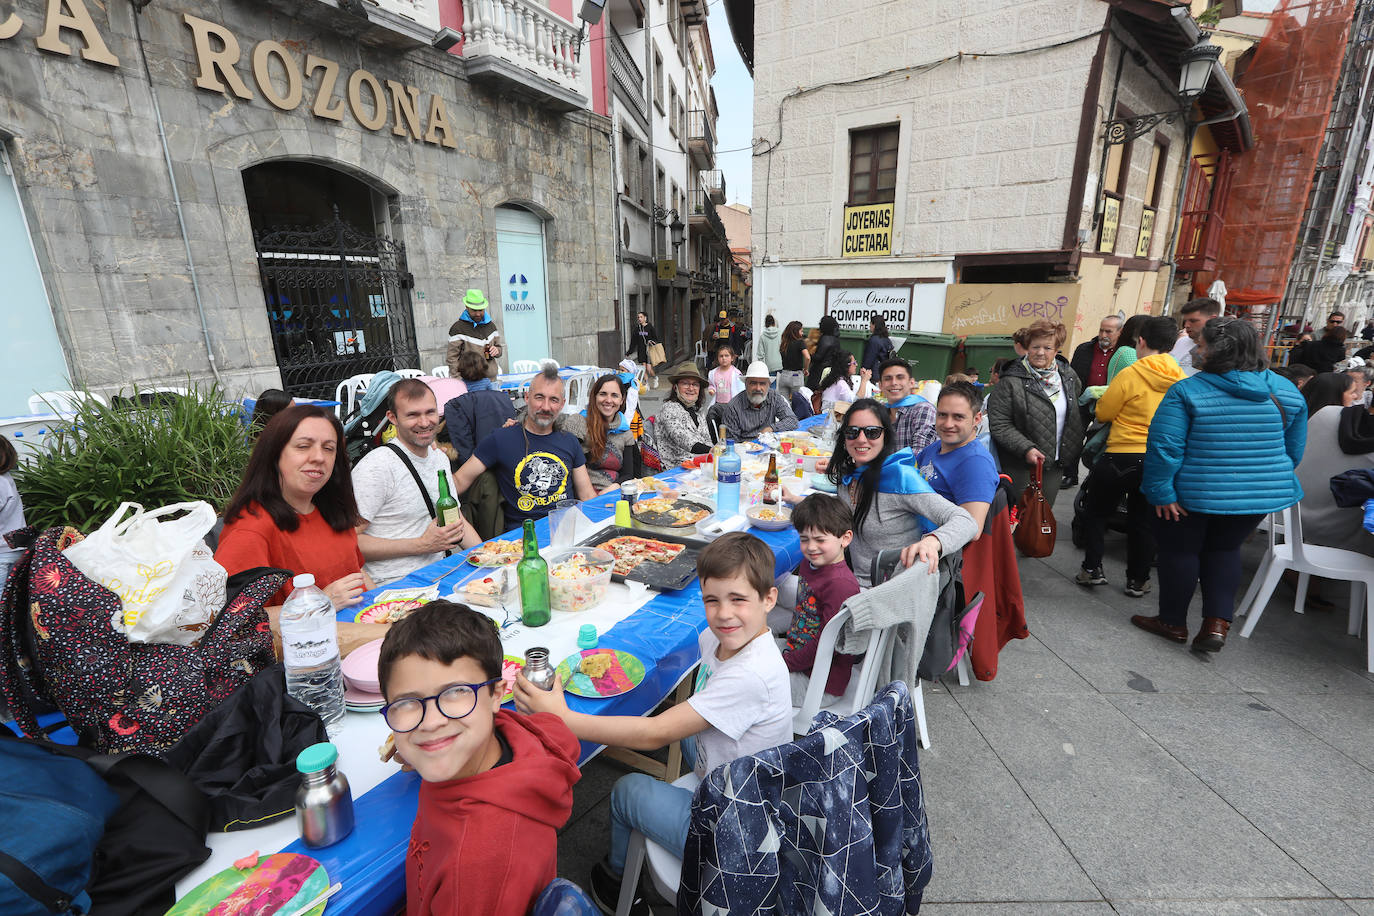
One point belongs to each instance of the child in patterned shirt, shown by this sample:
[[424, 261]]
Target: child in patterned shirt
[[826, 528]]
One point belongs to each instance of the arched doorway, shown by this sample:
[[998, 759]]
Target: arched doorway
[[335, 283]]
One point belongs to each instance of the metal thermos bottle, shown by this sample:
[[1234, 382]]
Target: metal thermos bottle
[[324, 803], [537, 670]]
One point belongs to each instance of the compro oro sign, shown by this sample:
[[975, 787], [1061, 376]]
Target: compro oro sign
[[867, 231], [852, 307]]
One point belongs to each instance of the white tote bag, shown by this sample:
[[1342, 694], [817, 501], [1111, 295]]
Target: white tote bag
[[167, 581]]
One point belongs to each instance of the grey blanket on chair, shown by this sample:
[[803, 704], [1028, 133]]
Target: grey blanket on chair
[[907, 600]]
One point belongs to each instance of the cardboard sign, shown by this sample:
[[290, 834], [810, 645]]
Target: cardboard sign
[[1002, 308], [853, 306]]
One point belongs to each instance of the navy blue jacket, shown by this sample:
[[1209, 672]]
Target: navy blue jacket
[[473, 416], [1227, 444]]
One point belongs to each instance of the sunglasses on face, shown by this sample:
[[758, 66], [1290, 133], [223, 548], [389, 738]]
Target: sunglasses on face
[[872, 432]]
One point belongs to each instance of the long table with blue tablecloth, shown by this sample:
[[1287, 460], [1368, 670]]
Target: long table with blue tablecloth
[[370, 863]]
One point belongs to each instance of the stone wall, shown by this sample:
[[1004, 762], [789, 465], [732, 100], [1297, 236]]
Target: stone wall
[[90, 168], [987, 143]]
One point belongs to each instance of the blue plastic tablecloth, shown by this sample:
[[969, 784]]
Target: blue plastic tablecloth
[[370, 862]]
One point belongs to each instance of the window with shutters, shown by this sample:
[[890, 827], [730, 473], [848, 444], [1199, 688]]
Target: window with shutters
[[873, 165]]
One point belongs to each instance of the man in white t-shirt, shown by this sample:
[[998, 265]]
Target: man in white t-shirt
[[742, 705], [398, 534], [1193, 315]]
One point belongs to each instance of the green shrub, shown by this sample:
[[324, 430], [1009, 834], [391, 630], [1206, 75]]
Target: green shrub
[[191, 448]]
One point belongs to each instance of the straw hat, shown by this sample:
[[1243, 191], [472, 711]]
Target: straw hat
[[474, 300], [686, 370]]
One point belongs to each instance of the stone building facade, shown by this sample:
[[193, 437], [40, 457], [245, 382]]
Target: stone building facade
[[1000, 198], [277, 119]]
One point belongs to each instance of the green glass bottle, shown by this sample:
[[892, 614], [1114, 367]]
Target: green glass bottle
[[447, 507], [533, 574]]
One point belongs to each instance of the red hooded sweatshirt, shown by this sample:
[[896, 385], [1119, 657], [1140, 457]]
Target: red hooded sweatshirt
[[487, 845]]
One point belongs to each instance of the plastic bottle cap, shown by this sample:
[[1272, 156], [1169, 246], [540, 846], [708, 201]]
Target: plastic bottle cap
[[304, 580], [317, 756], [586, 636]]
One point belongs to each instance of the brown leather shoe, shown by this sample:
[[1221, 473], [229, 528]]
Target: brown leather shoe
[[1212, 636], [1160, 628]]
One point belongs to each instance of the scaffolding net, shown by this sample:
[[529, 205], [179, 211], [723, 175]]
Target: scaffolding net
[[1288, 89]]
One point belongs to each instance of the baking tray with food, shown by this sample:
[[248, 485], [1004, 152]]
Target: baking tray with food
[[638, 559], [670, 514]]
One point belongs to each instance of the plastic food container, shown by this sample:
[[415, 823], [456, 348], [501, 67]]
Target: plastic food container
[[578, 577], [494, 588]]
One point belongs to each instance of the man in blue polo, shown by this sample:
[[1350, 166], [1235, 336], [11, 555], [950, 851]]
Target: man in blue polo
[[474, 330]]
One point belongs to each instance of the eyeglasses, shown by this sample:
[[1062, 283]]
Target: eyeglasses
[[454, 702], [872, 432]]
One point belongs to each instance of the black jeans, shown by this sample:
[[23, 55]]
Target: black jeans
[[1115, 476], [1200, 548]]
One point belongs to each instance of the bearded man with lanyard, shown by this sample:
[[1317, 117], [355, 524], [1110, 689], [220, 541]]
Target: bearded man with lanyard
[[912, 416], [474, 330]]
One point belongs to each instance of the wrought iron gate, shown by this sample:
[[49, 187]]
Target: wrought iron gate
[[338, 302]]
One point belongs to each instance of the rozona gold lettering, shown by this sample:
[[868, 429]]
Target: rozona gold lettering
[[280, 78]]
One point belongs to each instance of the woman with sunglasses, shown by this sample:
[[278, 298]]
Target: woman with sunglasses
[[891, 502]]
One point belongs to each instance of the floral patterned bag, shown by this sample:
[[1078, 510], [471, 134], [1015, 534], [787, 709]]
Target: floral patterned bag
[[57, 645]]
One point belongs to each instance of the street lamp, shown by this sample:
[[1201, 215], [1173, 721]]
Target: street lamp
[[1195, 69], [675, 228]]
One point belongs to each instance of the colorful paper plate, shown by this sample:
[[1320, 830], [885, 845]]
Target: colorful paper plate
[[280, 883], [511, 665], [383, 611], [623, 675]]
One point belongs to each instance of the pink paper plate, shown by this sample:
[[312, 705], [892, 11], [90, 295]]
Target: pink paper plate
[[358, 697], [360, 667]]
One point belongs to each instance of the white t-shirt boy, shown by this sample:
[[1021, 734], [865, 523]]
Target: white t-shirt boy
[[746, 698], [388, 498]]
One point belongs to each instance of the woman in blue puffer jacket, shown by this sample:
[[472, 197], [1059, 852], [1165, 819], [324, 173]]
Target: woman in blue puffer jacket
[[1220, 456]]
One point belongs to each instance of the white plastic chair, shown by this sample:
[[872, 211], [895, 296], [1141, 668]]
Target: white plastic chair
[[439, 372], [62, 401], [579, 391], [410, 373], [547, 363], [349, 391], [863, 682], [700, 354], [524, 365], [665, 868], [1314, 560]]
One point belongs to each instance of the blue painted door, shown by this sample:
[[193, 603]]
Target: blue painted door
[[31, 358], [524, 294]]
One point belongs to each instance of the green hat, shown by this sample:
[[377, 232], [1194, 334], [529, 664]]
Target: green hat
[[475, 300]]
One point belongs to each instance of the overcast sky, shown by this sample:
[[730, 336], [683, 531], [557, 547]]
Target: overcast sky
[[735, 99]]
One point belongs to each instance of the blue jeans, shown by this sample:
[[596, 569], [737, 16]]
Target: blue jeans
[[660, 811]]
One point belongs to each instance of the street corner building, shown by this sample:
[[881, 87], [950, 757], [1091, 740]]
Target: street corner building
[[287, 194], [962, 170]]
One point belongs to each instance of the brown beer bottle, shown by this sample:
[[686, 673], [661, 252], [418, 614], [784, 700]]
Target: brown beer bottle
[[772, 490]]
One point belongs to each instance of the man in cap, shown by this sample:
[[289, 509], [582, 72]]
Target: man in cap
[[757, 409], [474, 330], [722, 333]]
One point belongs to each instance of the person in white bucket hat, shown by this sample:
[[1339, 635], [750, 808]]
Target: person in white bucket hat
[[756, 409]]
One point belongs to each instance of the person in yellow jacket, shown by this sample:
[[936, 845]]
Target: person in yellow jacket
[[1128, 404]]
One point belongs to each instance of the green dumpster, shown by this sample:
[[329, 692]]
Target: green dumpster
[[982, 350], [854, 341], [930, 355]]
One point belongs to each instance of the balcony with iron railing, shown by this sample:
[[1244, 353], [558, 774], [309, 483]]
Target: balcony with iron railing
[[626, 72], [702, 215], [714, 183], [523, 49], [701, 139]]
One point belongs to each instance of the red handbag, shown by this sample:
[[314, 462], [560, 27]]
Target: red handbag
[[1035, 525], [58, 645]]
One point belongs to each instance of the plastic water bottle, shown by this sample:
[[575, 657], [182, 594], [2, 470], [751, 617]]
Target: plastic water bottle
[[727, 482], [310, 648]]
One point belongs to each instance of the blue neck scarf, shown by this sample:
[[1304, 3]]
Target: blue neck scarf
[[619, 425], [479, 319], [906, 401], [627, 377], [482, 384], [899, 475]]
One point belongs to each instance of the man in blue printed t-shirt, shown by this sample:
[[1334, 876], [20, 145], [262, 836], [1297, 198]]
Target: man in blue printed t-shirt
[[533, 462], [957, 466]]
